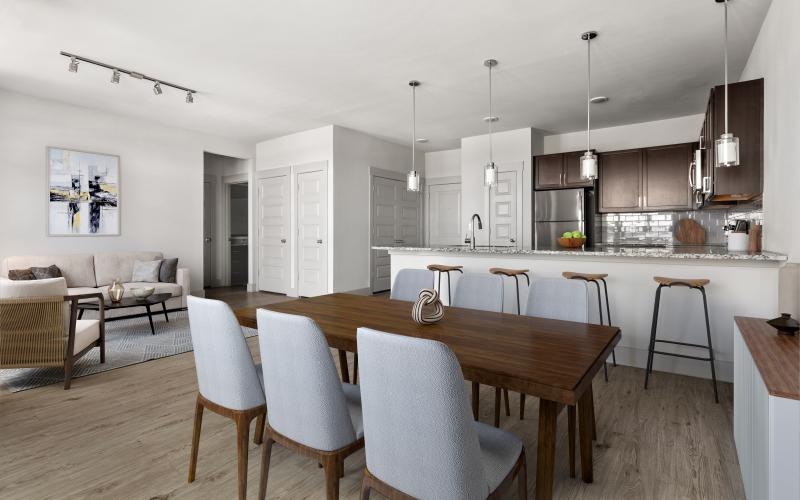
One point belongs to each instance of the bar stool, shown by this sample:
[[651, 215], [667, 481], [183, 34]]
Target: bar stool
[[596, 279], [514, 273], [441, 268], [696, 284]]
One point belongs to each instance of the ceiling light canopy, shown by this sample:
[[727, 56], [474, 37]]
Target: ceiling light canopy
[[412, 183], [728, 144], [589, 159], [116, 71], [490, 170]]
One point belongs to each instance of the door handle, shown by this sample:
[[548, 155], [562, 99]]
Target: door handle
[[283, 240], [512, 240], [319, 242], [208, 239]]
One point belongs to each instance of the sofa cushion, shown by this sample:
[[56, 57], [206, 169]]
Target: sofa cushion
[[43, 273], [86, 332], [21, 274], [109, 266], [146, 271], [169, 270], [77, 269]]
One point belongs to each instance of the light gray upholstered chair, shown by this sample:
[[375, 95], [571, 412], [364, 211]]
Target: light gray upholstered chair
[[567, 300], [228, 380], [483, 292], [39, 326], [421, 440], [310, 411], [408, 283]]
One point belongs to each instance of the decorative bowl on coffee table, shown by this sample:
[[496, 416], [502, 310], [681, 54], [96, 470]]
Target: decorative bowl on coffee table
[[142, 292]]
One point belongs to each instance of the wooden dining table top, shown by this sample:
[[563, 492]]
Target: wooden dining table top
[[547, 358]]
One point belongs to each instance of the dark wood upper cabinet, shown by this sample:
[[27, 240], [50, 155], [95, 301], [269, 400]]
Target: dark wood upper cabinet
[[560, 170], [620, 181], [746, 121], [665, 178]]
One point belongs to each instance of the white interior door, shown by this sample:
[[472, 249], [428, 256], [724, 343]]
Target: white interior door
[[384, 206], [209, 200], [444, 214], [274, 262], [312, 233], [505, 205]]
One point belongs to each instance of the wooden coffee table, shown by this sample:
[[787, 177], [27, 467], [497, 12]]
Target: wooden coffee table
[[126, 302]]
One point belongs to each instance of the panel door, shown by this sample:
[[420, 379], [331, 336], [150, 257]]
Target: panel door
[[444, 214], [312, 233], [505, 218], [665, 181], [384, 209], [209, 254], [274, 263], [620, 181]]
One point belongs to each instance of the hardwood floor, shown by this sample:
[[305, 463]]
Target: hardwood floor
[[127, 433], [238, 296]]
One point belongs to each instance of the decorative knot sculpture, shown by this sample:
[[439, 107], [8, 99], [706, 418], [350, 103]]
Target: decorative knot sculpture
[[421, 312]]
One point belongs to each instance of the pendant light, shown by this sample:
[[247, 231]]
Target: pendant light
[[727, 144], [490, 170], [412, 183], [589, 159]]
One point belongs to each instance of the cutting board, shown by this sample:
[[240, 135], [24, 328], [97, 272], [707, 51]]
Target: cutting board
[[689, 232]]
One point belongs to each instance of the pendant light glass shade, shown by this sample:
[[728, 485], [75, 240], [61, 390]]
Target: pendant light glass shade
[[589, 165], [727, 146], [412, 181], [490, 174], [589, 159]]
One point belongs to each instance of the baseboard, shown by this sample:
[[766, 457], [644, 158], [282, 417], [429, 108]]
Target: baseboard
[[361, 291], [252, 287], [630, 356]]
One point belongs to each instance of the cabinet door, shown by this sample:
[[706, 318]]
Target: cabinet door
[[746, 121], [572, 171], [620, 181], [665, 179], [549, 171]]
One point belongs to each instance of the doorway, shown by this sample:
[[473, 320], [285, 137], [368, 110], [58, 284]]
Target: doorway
[[238, 233]]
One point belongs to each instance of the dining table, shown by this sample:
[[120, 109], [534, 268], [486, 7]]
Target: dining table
[[553, 360]]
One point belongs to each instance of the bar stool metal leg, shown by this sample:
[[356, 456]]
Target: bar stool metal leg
[[600, 311], [710, 348], [651, 347], [608, 316]]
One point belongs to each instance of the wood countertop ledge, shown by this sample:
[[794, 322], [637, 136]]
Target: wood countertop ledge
[[776, 356]]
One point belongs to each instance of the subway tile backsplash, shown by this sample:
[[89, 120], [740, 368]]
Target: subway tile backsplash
[[656, 228]]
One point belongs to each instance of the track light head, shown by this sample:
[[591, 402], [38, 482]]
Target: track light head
[[73, 65], [157, 89], [115, 76], [189, 98]]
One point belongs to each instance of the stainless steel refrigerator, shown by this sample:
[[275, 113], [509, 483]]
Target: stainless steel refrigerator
[[560, 210]]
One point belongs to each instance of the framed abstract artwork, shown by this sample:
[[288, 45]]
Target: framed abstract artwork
[[82, 193]]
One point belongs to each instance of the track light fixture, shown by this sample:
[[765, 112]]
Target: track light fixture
[[116, 71]]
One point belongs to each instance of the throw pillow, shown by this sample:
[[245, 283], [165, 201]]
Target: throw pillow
[[43, 273], [146, 272], [21, 274], [169, 269]]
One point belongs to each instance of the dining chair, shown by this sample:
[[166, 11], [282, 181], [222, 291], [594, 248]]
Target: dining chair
[[39, 326], [228, 380], [310, 411], [408, 283], [421, 441], [483, 292], [566, 300]]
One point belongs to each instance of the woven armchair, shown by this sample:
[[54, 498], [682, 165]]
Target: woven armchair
[[39, 326]]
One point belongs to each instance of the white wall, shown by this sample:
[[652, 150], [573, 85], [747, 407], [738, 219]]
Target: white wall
[[296, 149], [509, 146], [161, 179], [636, 135], [354, 153], [445, 163], [775, 57]]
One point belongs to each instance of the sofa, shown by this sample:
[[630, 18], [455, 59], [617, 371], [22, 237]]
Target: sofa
[[92, 273]]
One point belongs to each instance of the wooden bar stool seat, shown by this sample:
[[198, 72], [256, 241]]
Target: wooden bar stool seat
[[597, 278], [692, 284], [442, 268]]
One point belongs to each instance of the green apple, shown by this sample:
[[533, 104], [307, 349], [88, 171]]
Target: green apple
[[568, 234], [577, 234]]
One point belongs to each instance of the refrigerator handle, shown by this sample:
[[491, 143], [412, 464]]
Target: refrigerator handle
[[582, 229]]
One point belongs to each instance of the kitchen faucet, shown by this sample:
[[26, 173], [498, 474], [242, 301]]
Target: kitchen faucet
[[480, 226]]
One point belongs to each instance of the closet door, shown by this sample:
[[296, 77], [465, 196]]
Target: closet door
[[312, 233], [444, 214], [273, 234], [384, 231]]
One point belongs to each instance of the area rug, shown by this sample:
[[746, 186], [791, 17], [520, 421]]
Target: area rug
[[128, 342]]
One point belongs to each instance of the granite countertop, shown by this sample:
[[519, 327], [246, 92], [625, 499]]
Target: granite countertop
[[673, 252]]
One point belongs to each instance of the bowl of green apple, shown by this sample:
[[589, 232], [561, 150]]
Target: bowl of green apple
[[572, 239]]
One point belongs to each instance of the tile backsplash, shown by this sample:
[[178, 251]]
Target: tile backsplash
[[656, 228]]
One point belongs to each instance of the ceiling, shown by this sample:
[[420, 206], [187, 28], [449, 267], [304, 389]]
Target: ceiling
[[268, 68]]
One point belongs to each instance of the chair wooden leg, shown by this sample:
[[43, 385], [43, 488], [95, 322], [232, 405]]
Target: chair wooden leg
[[198, 423], [571, 434], [594, 420], [522, 478], [521, 406], [331, 465], [68, 364], [265, 457], [476, 389], [585, 417], [497, 396], [242, 442], [259, 434], [508, 404], [355, 368], [365, 488], [343, 366]]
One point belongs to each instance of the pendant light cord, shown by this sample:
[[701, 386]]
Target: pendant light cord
[[726, 66], [491, 117], [588, 94], [414, 128]]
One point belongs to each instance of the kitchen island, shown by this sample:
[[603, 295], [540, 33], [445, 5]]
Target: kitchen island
[[744, 284]]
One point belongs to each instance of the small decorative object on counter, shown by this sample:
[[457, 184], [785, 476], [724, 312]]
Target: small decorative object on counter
[[421, 312], [571, 242], [116, 291], [786, 325]]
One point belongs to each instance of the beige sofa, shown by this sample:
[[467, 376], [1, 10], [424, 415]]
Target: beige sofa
[[88, 273]]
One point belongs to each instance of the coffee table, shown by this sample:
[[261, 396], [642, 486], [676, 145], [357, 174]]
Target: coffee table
[[126, 302]]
